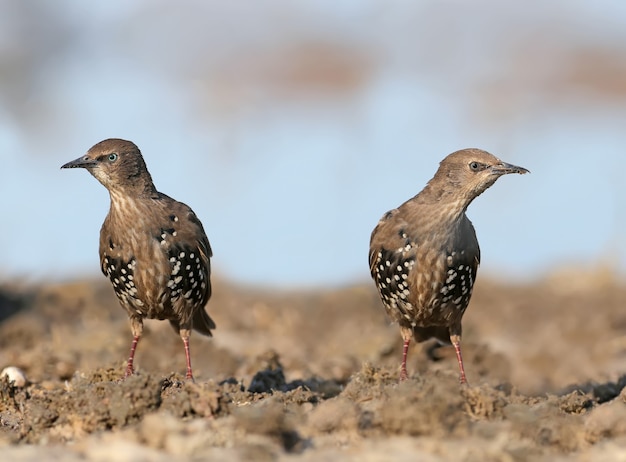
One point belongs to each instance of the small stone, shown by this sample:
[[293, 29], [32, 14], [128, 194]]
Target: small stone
[[15, 375]]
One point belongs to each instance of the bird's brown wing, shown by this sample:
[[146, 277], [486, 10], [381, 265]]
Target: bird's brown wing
[[187, 250], [202, 322], [462, 258], [189, 256], [387, 234], [392, 257]]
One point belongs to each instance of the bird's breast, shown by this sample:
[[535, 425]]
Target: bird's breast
[[424, 285]]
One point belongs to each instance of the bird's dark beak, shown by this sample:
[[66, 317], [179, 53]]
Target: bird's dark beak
[[81, 162], [502, 168]]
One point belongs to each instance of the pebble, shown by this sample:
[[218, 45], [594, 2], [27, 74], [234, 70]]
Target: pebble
[[15, 375]]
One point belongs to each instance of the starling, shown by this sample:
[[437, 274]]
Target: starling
[[153, 248], [424, 255]]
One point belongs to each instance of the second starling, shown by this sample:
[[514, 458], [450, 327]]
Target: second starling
[[153, 248], [424, 255]]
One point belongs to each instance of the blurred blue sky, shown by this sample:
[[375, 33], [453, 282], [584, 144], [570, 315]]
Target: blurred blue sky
[[291, 127]]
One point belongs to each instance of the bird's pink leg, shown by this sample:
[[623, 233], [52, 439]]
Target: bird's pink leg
[[456, 342], [129, 366], [188, 356], [136, 327], [405, 349], [406, 336], [185, 333]]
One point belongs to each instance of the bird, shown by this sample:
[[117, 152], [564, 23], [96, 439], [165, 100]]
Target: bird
[[153, 249], [424, 255]]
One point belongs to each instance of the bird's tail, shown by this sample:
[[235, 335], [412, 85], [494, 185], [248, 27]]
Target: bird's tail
[[202, 322]]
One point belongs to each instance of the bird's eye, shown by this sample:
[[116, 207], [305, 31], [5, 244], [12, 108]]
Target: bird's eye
[[475, 166], [112, 157]]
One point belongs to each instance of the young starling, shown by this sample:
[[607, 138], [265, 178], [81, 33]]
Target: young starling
[[424, 255], [153, 249]]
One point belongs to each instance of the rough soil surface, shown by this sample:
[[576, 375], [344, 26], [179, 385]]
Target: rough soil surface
[[313, 375]]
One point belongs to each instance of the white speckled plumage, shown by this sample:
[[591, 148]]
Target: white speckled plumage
[[424, 255], [153, 248]]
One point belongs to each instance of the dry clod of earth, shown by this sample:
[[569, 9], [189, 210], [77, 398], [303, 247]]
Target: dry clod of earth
[[317, 381]]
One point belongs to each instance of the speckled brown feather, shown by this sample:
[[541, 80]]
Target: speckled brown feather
[[424, 255], [152, 248], [180, 231], [401, 238]]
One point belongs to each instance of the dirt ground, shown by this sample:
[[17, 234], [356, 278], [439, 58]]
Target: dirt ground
[[313, 375]]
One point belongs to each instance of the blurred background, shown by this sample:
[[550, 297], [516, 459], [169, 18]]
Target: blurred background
[[291, 127]]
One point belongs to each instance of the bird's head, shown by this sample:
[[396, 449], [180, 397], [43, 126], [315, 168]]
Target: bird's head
[[469, 172], [117, 164]]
